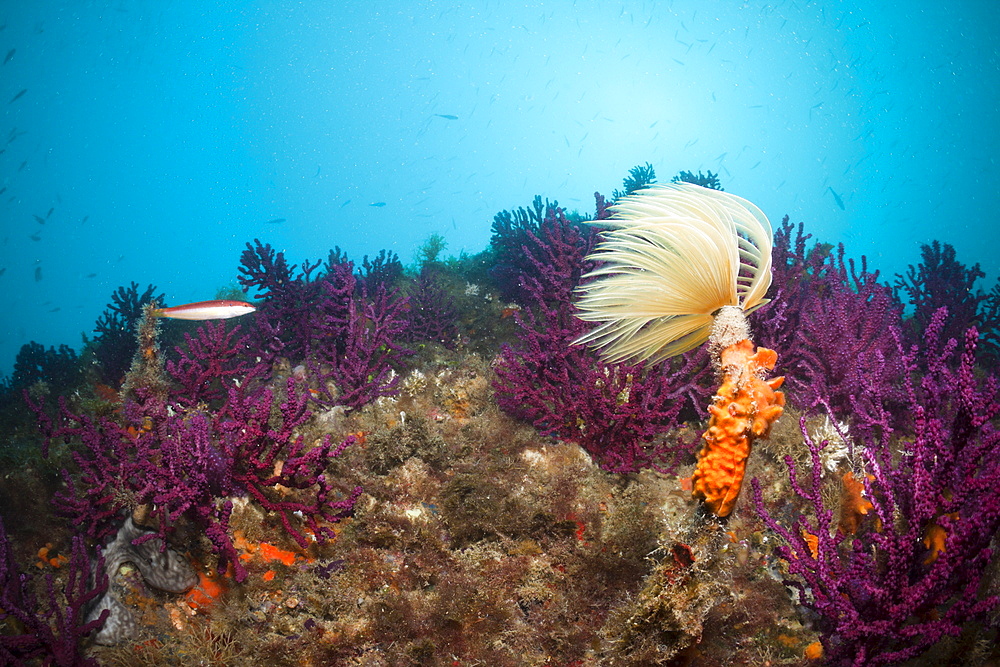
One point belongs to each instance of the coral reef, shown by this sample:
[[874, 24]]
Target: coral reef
[[305, 488]]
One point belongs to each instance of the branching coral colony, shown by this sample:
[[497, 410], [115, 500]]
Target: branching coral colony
[[682, 264], [164, 461]]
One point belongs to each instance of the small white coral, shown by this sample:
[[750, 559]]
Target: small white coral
[[414, 383], [471, 289], [837, 448]]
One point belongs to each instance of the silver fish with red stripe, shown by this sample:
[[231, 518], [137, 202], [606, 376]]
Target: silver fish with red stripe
[[206, 310]]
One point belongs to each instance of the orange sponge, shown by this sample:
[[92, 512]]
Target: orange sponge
[[744, 408]]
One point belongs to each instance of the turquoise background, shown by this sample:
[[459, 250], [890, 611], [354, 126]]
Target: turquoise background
[[165, 135]]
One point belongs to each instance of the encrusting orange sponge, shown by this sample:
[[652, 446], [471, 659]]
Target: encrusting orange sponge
[[744, 408]]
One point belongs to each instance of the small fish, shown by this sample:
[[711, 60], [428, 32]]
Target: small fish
[[91, 275], [377, 204], [3, 190], [18, 96], [446, 116], [49, 214], [85, 219], [275, 221], [345, 203], [55, 310], [37, 236], [10, 54], [3, 271], [38, 274], [836, 198], [39, 219], [206, 310]]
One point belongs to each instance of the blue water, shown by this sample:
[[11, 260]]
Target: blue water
[[164, 136]]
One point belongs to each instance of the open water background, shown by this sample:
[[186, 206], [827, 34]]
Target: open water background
[[154, 139]]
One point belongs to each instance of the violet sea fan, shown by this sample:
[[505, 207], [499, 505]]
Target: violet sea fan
[[352, 358], [614, 411], [830, 322], [58, 368], [539, 245], [283, 318], [432, 313], [189, 464], [344, 332], [383, 270], [912, 574], [208, 362], [939, 281], [52, 629]]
